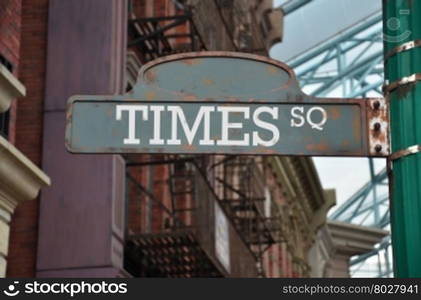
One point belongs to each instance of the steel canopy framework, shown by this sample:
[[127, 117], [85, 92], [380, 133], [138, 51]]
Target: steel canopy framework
[[350, 64]]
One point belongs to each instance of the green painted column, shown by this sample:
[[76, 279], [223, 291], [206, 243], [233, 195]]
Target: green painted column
[[402, 25]]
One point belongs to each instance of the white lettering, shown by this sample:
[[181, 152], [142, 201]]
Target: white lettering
[[226, 126], [132, 109], [177, 113], [298, 119], [296, 115], [156, 140], [265, 125], [318, 125]]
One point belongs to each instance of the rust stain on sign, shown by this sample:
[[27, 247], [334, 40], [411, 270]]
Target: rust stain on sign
[[150, 95], [110, 112], [345, 142], [150, 76], [193, 61], [334, 113], [189, 97], [356, 129], [318, 147], [188, 147], [272, 70], [208, 81]]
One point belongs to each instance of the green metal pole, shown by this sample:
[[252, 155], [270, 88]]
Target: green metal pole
[[402, 25]]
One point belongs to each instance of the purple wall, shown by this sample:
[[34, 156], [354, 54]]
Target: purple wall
[[81, 215]]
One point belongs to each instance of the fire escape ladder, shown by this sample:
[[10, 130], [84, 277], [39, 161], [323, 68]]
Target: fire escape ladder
[[244, 201], [161, 239], [181, 183]]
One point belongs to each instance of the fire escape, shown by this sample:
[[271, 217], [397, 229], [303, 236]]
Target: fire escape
[[154, 37], [242, 193], [170, 225], [167, 232]]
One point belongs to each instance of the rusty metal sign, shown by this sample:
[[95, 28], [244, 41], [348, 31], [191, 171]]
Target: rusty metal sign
[[226, 103]]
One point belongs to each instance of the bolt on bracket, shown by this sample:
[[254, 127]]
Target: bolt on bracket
[[378, 127]]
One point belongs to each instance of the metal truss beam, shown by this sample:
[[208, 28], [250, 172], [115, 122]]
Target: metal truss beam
[[346, 36], [293, 5], [351, 64], [358, 198], [346, 60]]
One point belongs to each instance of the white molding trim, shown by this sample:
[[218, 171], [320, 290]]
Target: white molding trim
[[10, 88], [20, 179], [350, 239]]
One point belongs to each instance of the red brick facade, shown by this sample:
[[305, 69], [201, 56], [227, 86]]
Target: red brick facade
[[28, 131], [10, 40], [10, 30]]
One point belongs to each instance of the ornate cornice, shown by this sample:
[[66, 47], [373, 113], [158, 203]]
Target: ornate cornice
[[350, 239], [20, 179], [320, 215]]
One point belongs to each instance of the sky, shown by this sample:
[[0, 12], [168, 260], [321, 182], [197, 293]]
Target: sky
[[345, 175]]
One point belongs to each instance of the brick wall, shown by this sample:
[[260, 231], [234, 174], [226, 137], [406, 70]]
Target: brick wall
[[10, 23], [28, 132], [10, 11]]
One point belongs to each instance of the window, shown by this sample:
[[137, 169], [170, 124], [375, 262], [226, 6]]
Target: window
[[6, 63], [4, 124], [5, 116]]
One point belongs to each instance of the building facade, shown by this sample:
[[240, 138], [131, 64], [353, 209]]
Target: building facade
[[143, 215], [20, 177]]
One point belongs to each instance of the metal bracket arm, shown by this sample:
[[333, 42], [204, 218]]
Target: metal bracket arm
[[402, 48], [405, 152], [388, 88]]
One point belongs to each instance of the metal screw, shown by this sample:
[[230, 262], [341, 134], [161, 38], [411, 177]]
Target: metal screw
[[378, 148], [376, 105], [377, 126]]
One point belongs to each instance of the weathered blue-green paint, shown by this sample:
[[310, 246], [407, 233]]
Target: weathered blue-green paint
[[214, 80]]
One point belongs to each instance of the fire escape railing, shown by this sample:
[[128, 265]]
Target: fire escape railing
[[159, 36], [161, 237], [168, 233], [242, 194], [169, 203]]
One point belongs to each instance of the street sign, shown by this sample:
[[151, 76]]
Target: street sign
[[225, 103]]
